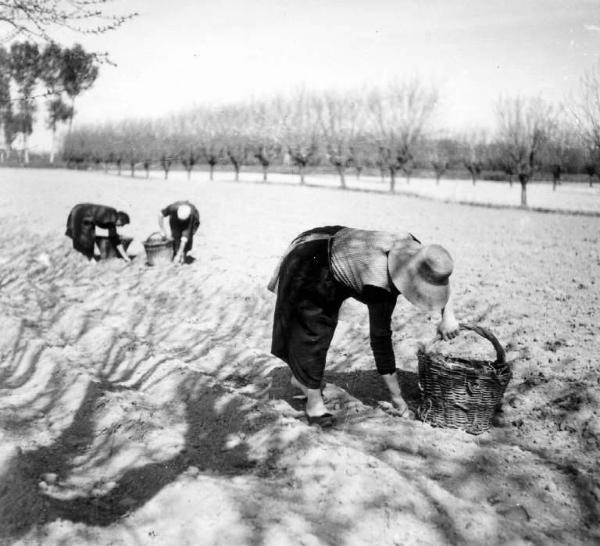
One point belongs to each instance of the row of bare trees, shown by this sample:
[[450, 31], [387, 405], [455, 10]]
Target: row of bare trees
[[389, 129], [348, 130]]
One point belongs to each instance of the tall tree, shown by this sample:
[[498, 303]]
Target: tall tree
[[51, 73], [6, 112], [79, 72], [25, 70]]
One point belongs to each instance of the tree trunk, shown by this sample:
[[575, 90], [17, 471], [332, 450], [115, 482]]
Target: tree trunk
[[342, 177], [147, 171], [523, 179], [437, 179], [358, 171], [211, 171], [474, 178], [119, 168], [392, 180], [26, 149], [53, 146], [189, 172], [591, 180], [72, 115], [554, 183], [301, 172], [265, 170], [237, 172], [132, 165]]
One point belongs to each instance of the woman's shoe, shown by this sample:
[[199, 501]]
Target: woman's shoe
[[324, 421]]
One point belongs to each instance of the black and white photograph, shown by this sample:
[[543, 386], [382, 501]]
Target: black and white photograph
[[299, 272]]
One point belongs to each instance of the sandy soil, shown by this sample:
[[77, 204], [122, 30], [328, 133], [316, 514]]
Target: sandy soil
[[141, 405]]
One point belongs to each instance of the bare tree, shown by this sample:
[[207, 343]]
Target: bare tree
[[233, 124], [261, 130], [361, 153], [341, 119], [587, 109], [559, 150], [182, 142], [443, 153], [35, 19], [524, 127], [591, 166], [586, 112], [399, 117], [474, 150], [209, 138], [298, 131]]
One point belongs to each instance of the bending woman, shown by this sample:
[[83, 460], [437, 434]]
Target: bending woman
[[324, 266], [81, 227]]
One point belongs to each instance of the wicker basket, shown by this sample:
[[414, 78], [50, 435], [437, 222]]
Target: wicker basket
[[159, 249], [460, 393], [108, 250]]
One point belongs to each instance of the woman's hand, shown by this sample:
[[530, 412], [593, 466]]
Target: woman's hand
[[448, 328]]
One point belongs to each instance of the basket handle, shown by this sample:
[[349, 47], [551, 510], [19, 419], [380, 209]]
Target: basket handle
[[162, 237], [485, 333]]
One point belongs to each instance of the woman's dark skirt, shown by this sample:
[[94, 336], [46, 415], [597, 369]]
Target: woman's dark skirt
[[307, 307]]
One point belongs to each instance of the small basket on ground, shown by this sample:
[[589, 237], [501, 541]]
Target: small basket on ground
[[159, 249], [462, 393], [108, 250]]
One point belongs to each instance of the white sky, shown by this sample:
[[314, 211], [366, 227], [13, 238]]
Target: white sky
[[178, 53]]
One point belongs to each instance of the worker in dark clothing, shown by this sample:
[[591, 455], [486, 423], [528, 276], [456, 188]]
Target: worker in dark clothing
[[184, 220], [81, 227], [323, 267]]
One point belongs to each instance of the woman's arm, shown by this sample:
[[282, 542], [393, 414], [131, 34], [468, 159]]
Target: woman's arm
[[180, 256], [381, 305], [161, 223], [448, 327], [122, 253], [114, 238]]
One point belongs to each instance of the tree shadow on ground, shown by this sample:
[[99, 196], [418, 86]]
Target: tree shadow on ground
[[366, 386], [212, 415]]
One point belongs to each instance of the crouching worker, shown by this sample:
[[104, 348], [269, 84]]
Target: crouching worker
[[322, 268], [184, 220], [81, 228]]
